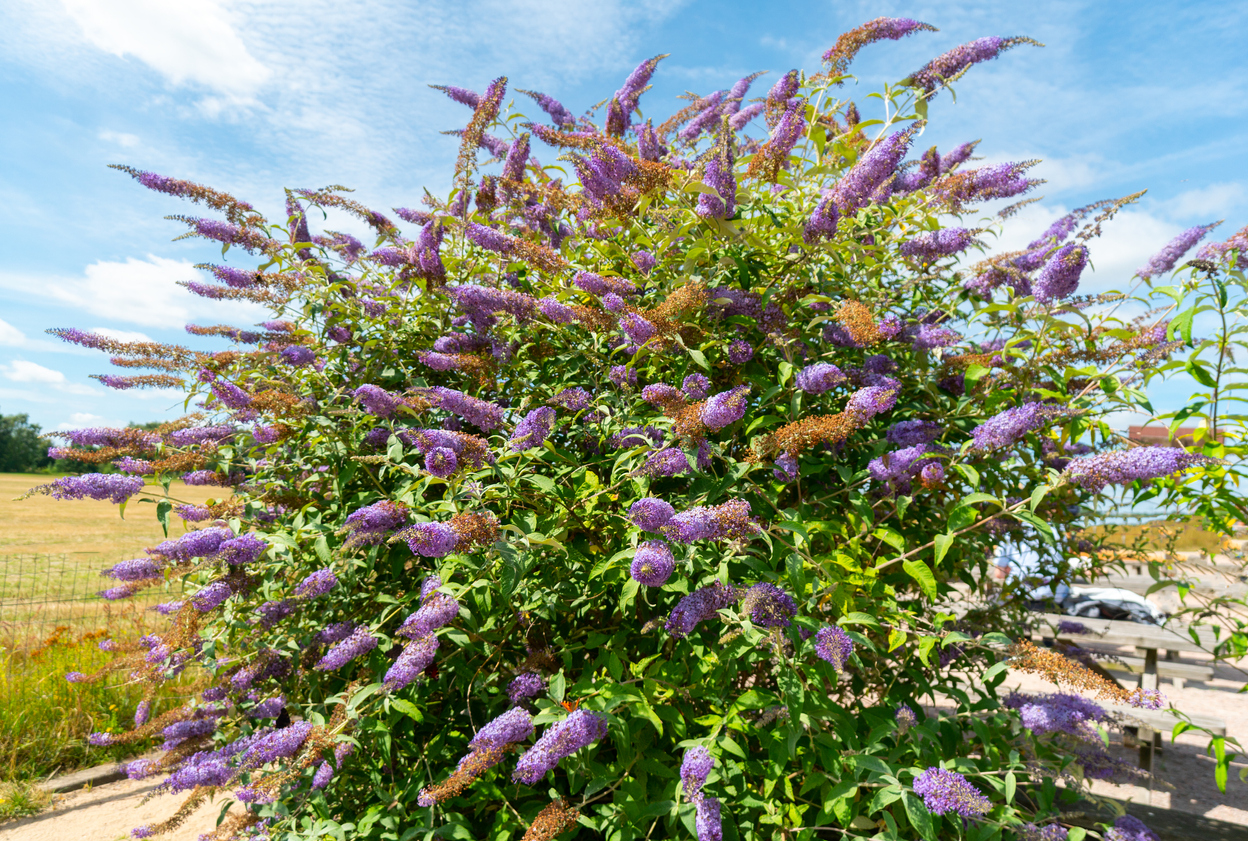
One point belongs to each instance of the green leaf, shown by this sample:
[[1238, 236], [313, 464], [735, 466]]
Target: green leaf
[[941, 544], [321, 546], [558, 685], [408, 709], [920, 818], [1011, 786], [891, 537], [857, 618], [921, 573], [1077, 833], [162, 514]]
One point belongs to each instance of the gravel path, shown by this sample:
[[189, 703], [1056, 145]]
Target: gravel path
[[108, 813]]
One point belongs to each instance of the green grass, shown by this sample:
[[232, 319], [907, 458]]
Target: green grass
[[21, 800], [44, 720]]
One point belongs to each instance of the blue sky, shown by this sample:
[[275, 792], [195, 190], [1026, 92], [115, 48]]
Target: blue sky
[[252, 97]]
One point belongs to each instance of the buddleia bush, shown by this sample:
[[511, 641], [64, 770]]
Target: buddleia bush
[[646, 492]]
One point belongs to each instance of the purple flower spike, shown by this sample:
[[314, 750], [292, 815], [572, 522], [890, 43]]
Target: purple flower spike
[[360, 642], [515, 725], [413, 660], [1165, 260], [652, 564], [866, 403], [432, 540], [695, 387], [833, 645], [949, 66], [768, 605], [1008, 427], [699, 606], [533, 430], [562, 739], [113, 487], [651, 514], [1060, 276], [317, 584], [644, 261], [822, 223], [694, 769], [707, 821], [740, 352], [820, 377], [527, 685], [441, 462], [930, 246], [946, 791], [726, 407], [1136, 464], [905, 718], [1130, 828]]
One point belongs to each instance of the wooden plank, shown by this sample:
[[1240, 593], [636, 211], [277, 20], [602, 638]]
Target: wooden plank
[[1135, 634], [1164, 721], [1165, 668]]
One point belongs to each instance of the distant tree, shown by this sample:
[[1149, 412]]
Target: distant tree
[[21, 448]]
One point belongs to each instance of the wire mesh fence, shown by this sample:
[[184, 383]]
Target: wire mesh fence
[[53, 600]]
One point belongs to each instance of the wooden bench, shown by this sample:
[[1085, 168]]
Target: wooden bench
[[1155, 722]]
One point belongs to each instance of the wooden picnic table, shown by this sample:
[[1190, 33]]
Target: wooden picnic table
[[1148, 640]]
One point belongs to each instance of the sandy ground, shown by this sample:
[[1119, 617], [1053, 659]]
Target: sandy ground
[[108, 813]]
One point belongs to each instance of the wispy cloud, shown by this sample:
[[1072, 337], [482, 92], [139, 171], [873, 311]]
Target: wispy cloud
[[134, 291], [193, 43], [24, 371], [10, 336]]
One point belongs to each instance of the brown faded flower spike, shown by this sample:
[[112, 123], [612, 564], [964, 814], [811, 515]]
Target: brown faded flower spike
[[556, 818]]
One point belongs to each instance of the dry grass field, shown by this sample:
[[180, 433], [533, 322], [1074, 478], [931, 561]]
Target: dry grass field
[[85, 530]]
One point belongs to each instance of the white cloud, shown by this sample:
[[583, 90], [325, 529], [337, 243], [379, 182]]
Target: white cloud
[[1209, 203], [122, 335], [10, 336], [189, 41], [121, 138], [22, 371], [136, 292], [1126, 242], [79, 420]]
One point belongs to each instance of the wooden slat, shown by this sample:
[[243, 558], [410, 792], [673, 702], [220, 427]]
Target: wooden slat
[[1134, 634], [1165, 668], [1164, 722]]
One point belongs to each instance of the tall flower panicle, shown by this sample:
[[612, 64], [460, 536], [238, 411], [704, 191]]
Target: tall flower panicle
[[533, 431], [1009, 426], [910, 432], [371, 524], [1138, 464], [873, 169], [707, 820], [847, 46], [432, 540], [1060, 276], [480, 413], [317, 584], [695, 387], [866, 403], [932, 245], [562, 739], [527, 685], [652, 564], [559, 115], [651, 514], [726, 407], [768, 605], [699, 606], [359, 643], [721, 178], [1130, 828], [819, 377], [905, 717], [728, 521], [1165, 260], [822, 223], [950, 66], [695, 767], [411, 662], [834, 646], [945, 791], [113, 487]]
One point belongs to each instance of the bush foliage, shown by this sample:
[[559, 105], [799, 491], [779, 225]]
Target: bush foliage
[[689, 467]]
